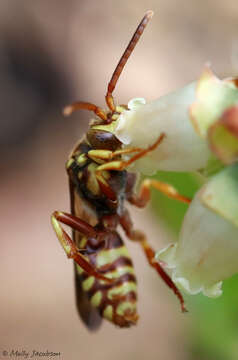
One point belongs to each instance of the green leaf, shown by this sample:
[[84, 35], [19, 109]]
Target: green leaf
[[171, 211]]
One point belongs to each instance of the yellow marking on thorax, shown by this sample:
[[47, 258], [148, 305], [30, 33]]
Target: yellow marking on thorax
[[69, 163], [108, 312], [88, 283], [92, 183], [96, 299], [122, 289], [82, 159], [126, 305], [108, 256]]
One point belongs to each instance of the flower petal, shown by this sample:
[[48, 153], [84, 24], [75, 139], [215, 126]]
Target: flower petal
[[141, 125]]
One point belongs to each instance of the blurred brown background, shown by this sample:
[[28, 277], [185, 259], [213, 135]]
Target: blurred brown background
[[52, 53]]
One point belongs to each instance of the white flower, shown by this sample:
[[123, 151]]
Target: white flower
[[207, 250], [181, 150], [200, 116], [199, 121]]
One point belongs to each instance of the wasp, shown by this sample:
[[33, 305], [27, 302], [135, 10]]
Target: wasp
[[100, 185]]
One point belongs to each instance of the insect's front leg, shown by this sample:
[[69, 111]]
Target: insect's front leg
[[137, 235], [107, 155], [69, 245], [120, 165]]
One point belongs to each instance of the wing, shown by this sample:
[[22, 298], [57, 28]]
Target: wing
[[89, 315]]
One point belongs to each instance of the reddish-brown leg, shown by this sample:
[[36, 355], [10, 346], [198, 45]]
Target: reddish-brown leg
[[136, 235], [68, 244], [80, 105], [141, 199], [119, 165]]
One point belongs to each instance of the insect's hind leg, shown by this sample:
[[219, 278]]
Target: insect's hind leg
[[142, 198], [139, 236], [69, 245]]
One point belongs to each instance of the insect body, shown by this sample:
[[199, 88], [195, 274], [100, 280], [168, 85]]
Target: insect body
[[100, 185]]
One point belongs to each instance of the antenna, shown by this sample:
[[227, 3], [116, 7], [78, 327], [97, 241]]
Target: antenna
[[123, 60]]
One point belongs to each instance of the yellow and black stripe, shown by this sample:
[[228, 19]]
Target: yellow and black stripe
[[117, 301]]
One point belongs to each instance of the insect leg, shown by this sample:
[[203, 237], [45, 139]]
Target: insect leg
[[123, 60], [143, 197], [121, 165], [104, 155], [100, 154], [68, 244], [85, 106], [136, 235]]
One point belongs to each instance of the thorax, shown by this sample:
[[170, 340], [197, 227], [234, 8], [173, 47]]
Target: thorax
[[82, 171]]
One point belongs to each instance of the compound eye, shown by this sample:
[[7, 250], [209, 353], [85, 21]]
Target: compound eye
[[100, 139]]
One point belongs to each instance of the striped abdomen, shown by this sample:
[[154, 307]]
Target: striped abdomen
[[117, 301]]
